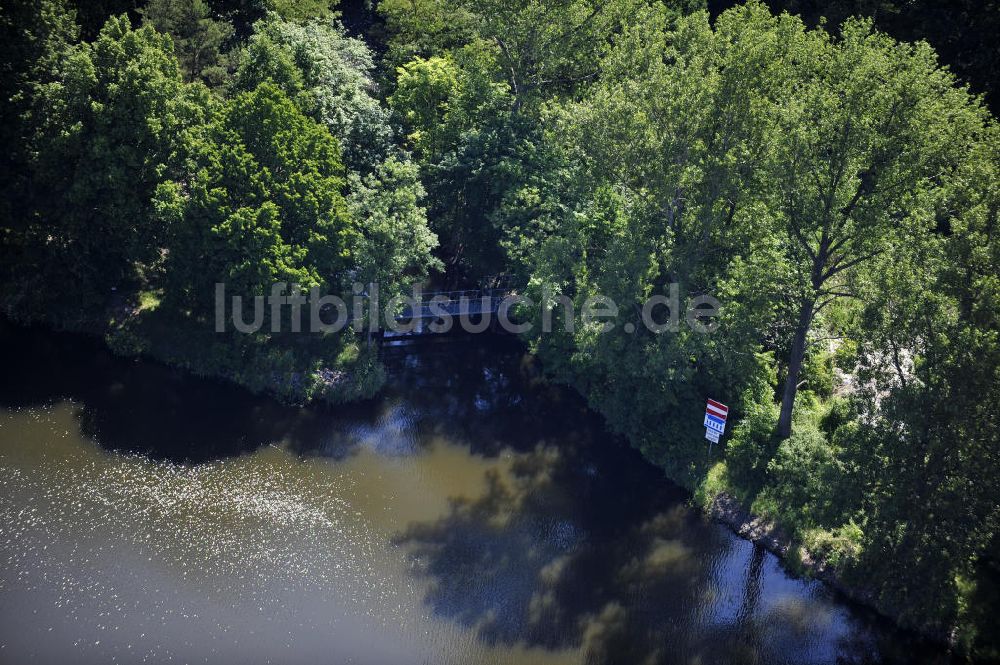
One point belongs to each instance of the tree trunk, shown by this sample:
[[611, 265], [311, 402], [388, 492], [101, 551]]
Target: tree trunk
[[798, 354]]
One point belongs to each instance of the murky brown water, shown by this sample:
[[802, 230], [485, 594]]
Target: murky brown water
[[471, 514]]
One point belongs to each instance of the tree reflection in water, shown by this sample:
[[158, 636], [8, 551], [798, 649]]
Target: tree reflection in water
[[583, 544], [576, 543]]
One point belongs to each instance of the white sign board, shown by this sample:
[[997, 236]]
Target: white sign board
[[716, 414], [717, 409]]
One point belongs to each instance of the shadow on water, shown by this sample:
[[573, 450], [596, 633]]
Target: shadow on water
[[132, 406], [485, 395], [578, 543], [585, 544], [556, 559], [142, 407]]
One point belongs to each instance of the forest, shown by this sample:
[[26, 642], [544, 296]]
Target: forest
[[830, 171]]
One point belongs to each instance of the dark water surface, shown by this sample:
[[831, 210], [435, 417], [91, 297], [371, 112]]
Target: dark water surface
[[471, 514]]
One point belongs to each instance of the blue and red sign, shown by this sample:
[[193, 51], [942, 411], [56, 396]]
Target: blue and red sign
[[715, 419]]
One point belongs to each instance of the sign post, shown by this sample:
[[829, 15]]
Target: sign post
[[715, 422]]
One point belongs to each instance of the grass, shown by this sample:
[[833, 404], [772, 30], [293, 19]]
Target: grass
[[715, 482]]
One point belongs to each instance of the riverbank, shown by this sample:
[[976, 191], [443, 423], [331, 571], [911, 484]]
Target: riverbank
[[807, 498], [290, 373], [726, 509], [799, 560], [472, 512]]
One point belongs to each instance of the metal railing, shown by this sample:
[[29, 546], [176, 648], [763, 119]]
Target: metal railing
[[469, 302]]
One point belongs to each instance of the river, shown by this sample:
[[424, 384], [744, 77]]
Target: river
[[472, 513]]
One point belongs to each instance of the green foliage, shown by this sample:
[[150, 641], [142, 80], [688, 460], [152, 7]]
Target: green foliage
[[822, 185], [36, 36], [838, 413], [930, 358], [845, 358], [422, 28], [198, 37], [396, 243], [262, 202], [108, 134], [640, 223], [802, 479], [471, 102], [303, 10], [543, 48], [426, 91], [459, 122], [244, 14], [963, 32], [839, 548], [141, 184], [879, 147], [330, 75], [789, 173], [752, 446], [263, 60], [817, 372]]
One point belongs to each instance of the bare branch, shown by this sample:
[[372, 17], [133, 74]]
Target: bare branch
[[839, 268]]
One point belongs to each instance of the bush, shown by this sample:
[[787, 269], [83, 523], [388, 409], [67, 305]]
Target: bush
[[845, 357], [125, 342], [817, 372], [802, 479], [838, 547], [838, 414], [752, 445]]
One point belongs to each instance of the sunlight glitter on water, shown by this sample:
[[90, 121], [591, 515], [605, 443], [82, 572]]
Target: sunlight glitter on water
[[120, 542], [472, 513]]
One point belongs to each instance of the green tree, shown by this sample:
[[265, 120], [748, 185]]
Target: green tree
[[198, 37], [396, 244], [471, 103], [872, 125], [543, 48], [458, 120], [110, 125], [425, 92], [926, 444], [424, 28], [244, 14], [262, 202], [304, 10], [330, 75], [36, 37], [962, 32], [540, 48], [668, 146]]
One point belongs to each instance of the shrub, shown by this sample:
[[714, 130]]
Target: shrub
[[799, 478], [752, 446]]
